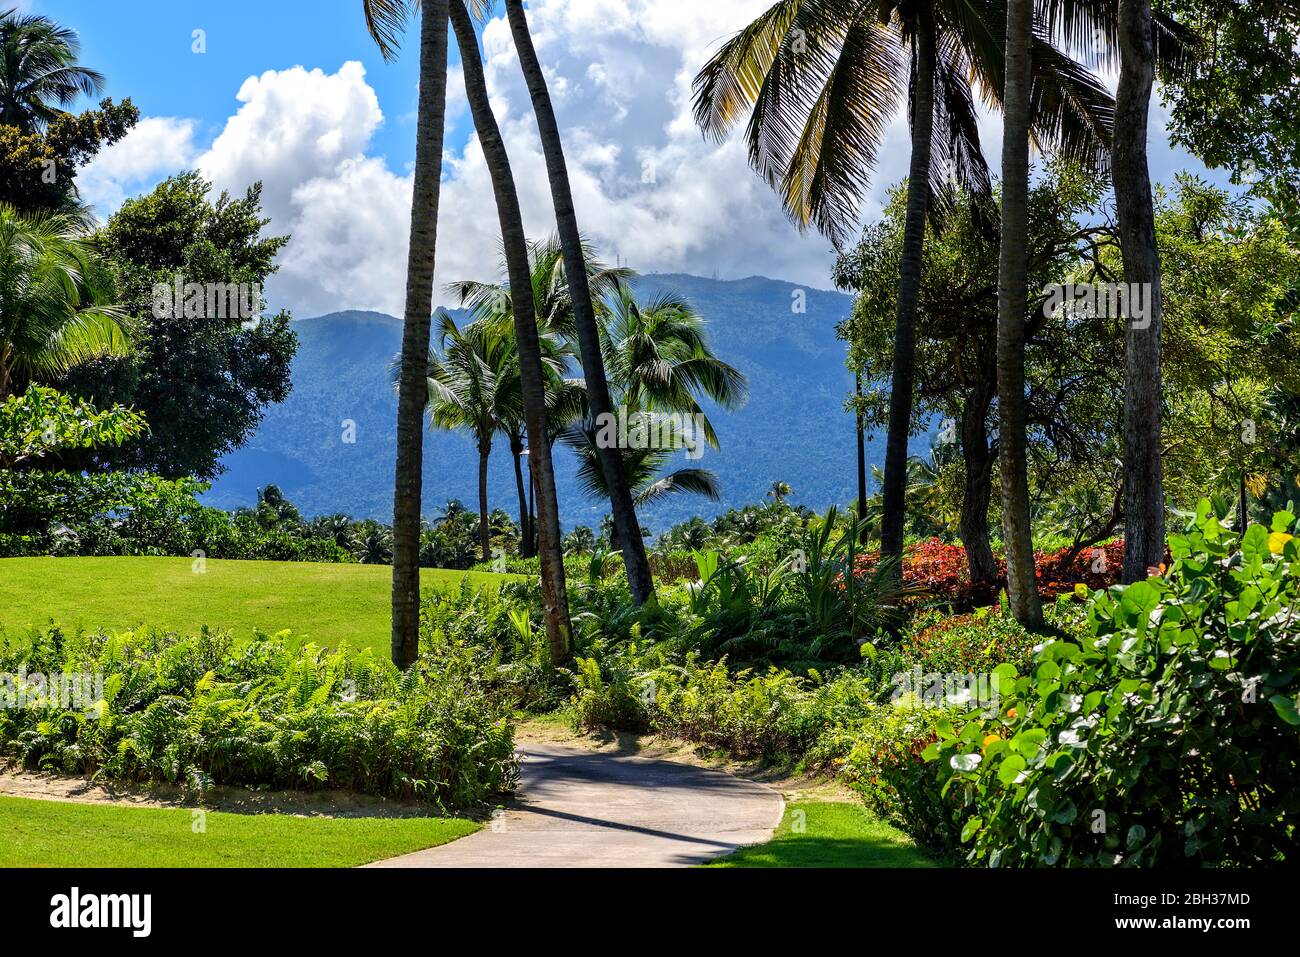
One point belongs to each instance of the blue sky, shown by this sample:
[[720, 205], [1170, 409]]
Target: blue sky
[[295, 94], [144, 48]]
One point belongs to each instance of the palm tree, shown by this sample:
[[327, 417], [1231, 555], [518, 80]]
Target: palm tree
[[1013, 297], [660, 361], [552, 295], [472, 385], [39, 71], [579, 541], [451, 511], [660, 364], [555, 606], [562, 398], [824, 77], [385, 19], [779, 491], [565, 399], [584, 313], [55, 309], [1144, 500], [337, 527], [643, 467]]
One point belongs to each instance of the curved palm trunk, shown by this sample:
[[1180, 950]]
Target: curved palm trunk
[[413, 389], [575, 269], [525, 533], [484, 534], [894, 490], [1022, 585], [555, 605], [1144, 505]]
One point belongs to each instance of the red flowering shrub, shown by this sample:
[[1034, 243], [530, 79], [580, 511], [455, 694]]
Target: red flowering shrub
[[940, 570]]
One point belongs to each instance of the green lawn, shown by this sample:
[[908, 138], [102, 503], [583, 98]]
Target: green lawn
[[830, 834], [325, 603], [61, 834]]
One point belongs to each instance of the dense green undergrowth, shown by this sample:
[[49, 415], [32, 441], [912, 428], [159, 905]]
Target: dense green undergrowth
[[199, 710], [1154, 723]]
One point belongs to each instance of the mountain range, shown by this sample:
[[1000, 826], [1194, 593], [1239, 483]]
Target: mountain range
[[793, 427]]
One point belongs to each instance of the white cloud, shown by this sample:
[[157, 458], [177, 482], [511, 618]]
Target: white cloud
[[156, 147], [648, 188], [295, 126]]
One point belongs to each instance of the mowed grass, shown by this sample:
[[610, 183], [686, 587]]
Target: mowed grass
[[328, 604], [830, 834], [62, 834]]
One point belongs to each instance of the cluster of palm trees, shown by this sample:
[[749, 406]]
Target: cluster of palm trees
[[657, 358], [55, 303], [386, 21], [821, 79]]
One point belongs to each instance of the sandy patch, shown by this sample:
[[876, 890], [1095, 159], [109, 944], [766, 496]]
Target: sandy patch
[[81, 790]]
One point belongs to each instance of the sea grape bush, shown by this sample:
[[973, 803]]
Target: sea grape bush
[[1168, 736]]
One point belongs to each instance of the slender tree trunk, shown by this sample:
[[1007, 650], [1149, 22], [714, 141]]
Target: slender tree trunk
[[894, 491], [525, 533], [1013, 296], [575, 269], [413, 389], [484, 535], [1243, 512], [862, 456], [1144, 506], [978, 492], [555, 605]]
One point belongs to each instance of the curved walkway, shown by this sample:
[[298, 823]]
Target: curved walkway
[[579, 808]]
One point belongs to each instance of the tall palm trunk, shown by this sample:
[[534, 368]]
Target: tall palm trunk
[[575, 269], [413, 389], [525, 533], [1144, 506], [555, 605], [1013, 294], [894, 490], [484, 534]]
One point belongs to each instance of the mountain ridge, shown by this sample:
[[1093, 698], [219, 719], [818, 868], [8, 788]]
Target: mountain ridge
[[330, 444]]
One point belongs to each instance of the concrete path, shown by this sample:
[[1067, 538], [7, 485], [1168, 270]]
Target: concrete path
[[580, 808]]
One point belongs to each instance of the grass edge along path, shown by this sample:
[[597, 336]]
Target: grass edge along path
[[830, 834], [41, 833], [329, 604]]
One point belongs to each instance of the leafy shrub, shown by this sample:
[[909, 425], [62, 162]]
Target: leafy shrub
[[199, 711], [974, 642], [501, 629], [748, 715], [612, 692], [1168, 736]]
